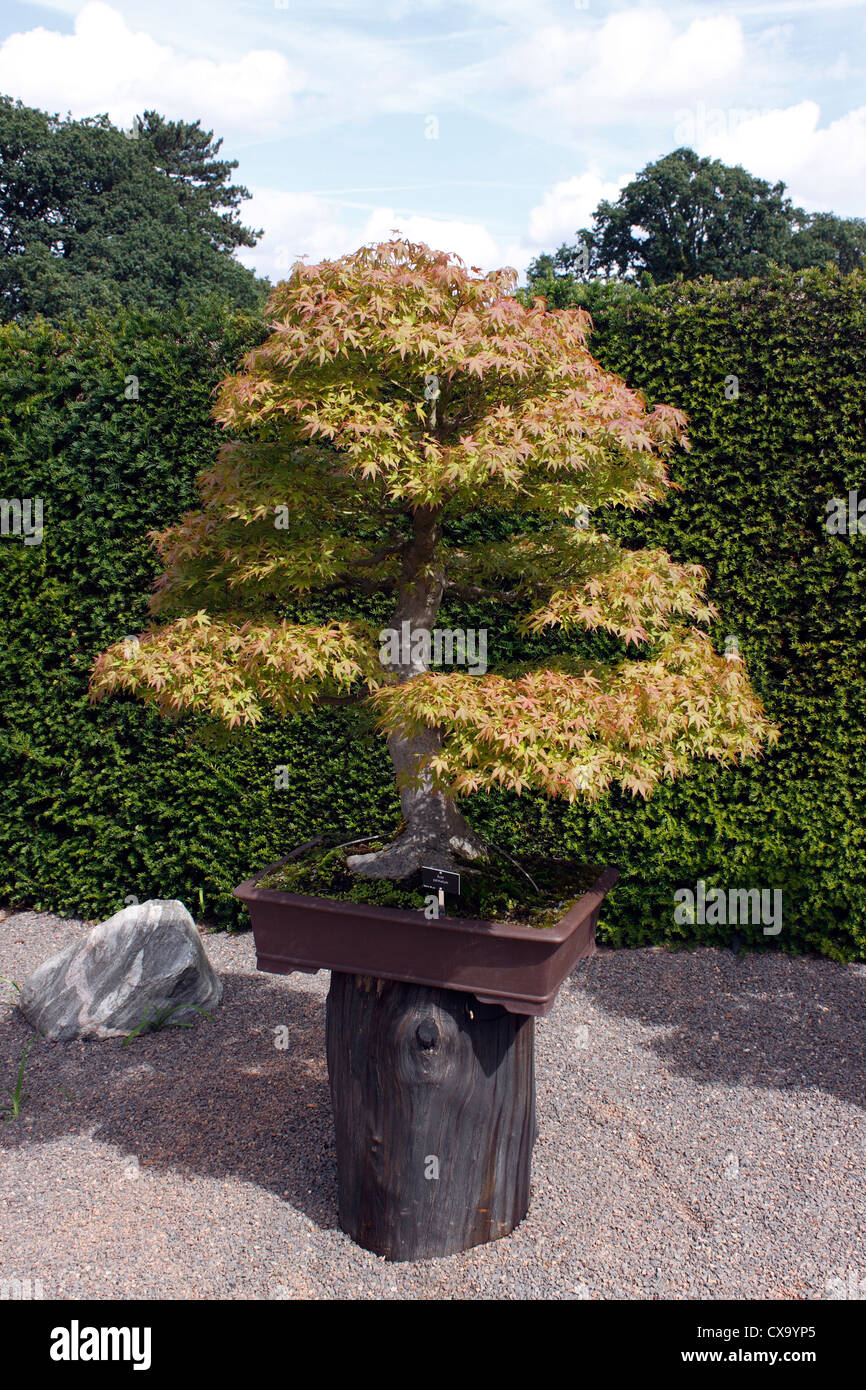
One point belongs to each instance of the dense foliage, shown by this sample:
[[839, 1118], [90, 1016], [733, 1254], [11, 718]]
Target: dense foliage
[[771, 374], [95, 218], [525, 424], [689, 216], [98, 802]]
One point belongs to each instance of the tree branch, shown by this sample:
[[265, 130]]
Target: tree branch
[[340, 699], [366, 586], [479, 591]]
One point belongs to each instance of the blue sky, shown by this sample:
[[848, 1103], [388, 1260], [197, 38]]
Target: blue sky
[[491, 128]]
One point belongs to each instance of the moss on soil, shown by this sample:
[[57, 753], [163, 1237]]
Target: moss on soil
[[498, 891]]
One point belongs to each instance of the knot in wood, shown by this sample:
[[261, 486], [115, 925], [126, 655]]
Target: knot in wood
[[427, 1033]]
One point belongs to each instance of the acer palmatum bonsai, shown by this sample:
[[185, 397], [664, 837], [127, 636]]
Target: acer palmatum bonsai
[[398, 390]]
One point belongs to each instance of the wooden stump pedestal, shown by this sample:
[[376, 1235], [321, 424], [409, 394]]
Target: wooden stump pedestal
[[434, 1110]]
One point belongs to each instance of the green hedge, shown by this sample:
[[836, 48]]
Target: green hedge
[[99, 803], [762, 468]]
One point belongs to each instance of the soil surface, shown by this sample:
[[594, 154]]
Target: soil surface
[[534, 892], [701, 1135]]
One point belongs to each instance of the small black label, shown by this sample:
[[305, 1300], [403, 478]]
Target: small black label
[[440, 878]]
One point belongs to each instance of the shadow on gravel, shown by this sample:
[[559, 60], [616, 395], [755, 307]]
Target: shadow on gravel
[[758, 1020], [218, 1099]]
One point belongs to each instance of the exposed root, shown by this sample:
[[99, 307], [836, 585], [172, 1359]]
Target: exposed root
[[416, 848]]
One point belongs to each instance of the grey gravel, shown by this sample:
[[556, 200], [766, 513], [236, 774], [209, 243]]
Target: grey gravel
[[701, 1135]]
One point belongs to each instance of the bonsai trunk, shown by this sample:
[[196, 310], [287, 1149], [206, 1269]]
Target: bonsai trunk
[[435, 832], [433, 1092]]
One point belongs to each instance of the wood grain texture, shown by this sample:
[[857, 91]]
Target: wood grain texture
[[423, 1082]]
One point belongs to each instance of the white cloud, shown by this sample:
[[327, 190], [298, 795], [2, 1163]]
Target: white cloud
[[107, 66], [317, 227], [639, 53], [470, 240], [295, 225], [305, 73], [566, 208], [596, 80], [300, 225], [636, 59], [825, 169]]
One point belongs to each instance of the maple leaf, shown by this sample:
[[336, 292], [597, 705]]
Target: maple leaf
[[336, 476]]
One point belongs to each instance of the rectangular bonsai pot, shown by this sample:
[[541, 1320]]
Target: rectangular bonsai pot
[[519, 967]]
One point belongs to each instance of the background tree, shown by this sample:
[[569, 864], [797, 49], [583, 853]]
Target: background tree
[[397, 392], [824, 239], [91, 218], [687, 216], [186, 155]]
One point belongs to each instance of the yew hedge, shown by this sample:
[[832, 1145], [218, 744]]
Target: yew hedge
[[100, 803]]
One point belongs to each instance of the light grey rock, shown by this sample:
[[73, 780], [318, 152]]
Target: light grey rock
[[147, 958]]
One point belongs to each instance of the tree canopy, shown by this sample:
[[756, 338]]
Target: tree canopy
[[688, 216], [95, 218], [397, 392]]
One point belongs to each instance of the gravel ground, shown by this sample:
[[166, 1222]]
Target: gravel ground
[[701, 1135]]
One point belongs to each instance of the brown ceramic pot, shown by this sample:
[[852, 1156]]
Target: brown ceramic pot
[[518, 967]]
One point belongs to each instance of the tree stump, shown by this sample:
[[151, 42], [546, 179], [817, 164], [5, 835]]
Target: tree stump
[[434, 1110]]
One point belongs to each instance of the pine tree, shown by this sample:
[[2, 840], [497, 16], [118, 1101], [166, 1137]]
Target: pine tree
[[93, 218], [398, 391]]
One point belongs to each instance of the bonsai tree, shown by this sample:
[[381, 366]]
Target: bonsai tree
[[398, 391]]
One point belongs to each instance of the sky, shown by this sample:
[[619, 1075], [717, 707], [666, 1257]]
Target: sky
[[491, 128]]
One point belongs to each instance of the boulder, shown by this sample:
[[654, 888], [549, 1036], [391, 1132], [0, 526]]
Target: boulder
[[145, 959]]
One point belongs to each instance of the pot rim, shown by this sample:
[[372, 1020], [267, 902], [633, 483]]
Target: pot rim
[[249, 891]]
